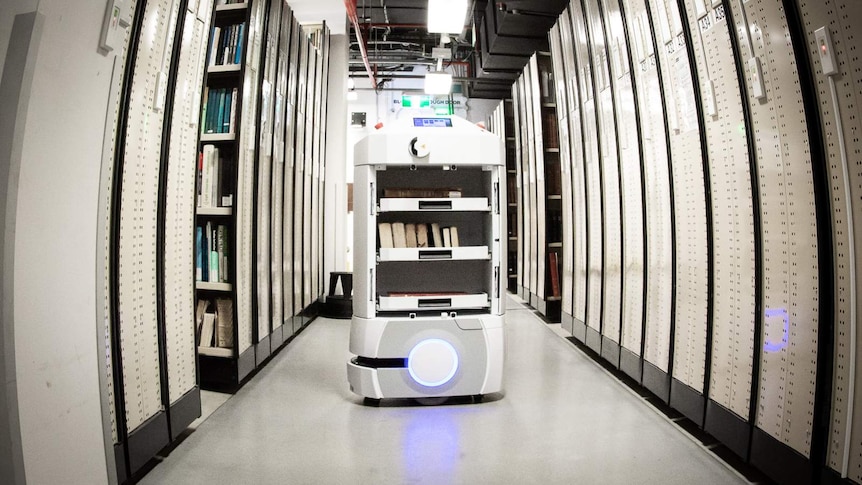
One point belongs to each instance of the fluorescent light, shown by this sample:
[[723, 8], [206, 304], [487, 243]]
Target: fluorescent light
[[438, 83], [446, 16]]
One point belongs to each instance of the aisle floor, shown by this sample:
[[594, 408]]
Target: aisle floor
[[562, 419]]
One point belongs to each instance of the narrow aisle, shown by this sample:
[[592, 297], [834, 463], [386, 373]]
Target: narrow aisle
[[562, 420]]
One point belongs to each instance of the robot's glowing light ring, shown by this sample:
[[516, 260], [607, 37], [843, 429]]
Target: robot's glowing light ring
[[432, 341]]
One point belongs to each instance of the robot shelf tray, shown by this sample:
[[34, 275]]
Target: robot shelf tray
[[454, 204], [432, 301], [463, 253]]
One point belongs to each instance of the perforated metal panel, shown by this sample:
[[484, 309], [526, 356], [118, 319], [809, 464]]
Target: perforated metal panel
[[689, 196], [138, 216], [265, 171], [579, 201], [299, 175], [537, 180], [519, 177], [656, 175], [294, 160], [630, 178], [592, 176], [308, 182], [842, 20], [610, 176], [179, 284], [525, 240], [245, 249], [279, 201], [561, 77], [106, 201], [323, 98], [789, 237], [529, 151], [733, 224]]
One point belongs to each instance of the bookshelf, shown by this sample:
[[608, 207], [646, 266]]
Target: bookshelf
[[224, 107], [513, 196], [259, 165], [549, 134], [537, 210]]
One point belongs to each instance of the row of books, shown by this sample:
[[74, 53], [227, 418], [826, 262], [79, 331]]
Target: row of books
[[212, 169], [211, 253], [219, 114], [409, 235], [214, 323], [226, 45], [428, 193]]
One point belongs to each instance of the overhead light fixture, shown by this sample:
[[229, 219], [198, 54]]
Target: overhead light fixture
[[446, 16], [438, 83]]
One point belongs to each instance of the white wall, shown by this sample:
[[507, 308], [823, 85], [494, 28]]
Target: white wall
[[53, 236]]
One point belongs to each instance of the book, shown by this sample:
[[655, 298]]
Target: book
[[214, 45], [453, 233], [238, 56], [199, 316], [214, 177], [199, 262], [447, 237], [207, 330], [219, 122], [204, 110], [384, 230], [202, 254], [221, 241], [232, 125], [421, 235], [224, 326], [437, 235], [399, 237], [213, 255], [204, 195], [226, 121], [410, 231]]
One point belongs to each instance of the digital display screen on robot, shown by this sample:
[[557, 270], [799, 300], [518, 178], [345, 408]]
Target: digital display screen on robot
[[432, 122]]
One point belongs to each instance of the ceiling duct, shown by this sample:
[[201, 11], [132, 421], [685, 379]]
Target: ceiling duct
[[489, 54]]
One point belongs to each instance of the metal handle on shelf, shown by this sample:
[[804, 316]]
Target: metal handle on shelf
[[435, 204], [435, 303], [435, 254]]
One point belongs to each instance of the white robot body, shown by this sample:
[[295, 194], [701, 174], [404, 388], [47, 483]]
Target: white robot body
[[428, 311]]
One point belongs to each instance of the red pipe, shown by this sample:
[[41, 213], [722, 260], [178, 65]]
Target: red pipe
[[360, 35]]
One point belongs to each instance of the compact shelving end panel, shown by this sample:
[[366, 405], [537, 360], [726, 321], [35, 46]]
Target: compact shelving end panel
[[429, 267]]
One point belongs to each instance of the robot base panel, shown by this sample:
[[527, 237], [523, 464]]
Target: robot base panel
[[426, 357]]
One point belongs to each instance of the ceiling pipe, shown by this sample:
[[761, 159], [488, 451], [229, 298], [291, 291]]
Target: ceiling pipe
[[360, 35]]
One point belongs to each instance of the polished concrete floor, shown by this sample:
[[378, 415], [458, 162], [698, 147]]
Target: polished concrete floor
[[562, 419]]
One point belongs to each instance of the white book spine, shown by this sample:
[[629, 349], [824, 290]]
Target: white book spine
[[206, 178], [214, 48], [215, 175], [232, 125]]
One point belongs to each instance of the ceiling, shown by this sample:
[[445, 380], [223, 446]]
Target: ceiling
[[496, 43]]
